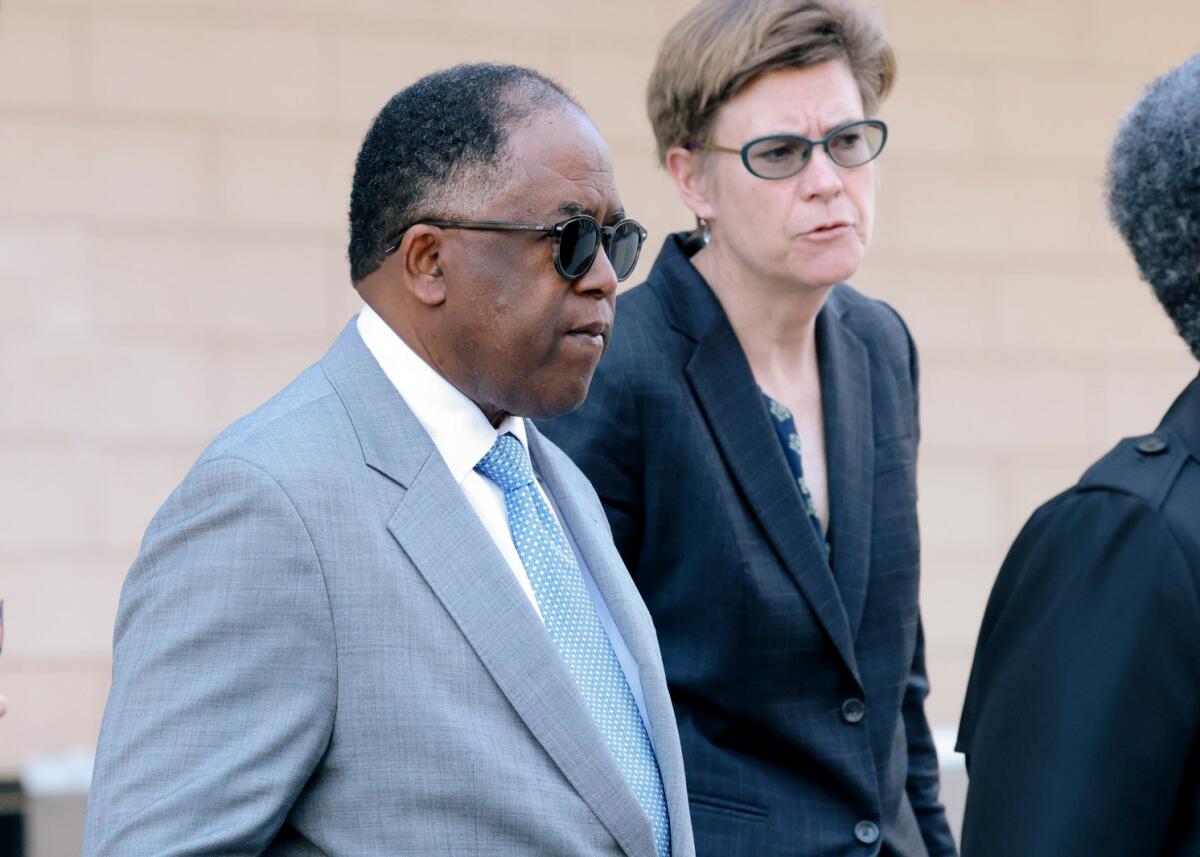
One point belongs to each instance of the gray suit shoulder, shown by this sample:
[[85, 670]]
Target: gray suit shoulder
[[300, 442], [286, 430]]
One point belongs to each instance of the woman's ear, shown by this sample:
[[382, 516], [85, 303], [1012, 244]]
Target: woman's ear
[[420, 253], [689, 170]]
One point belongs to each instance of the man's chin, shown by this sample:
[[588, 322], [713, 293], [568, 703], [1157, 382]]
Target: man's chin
[[561, 402]]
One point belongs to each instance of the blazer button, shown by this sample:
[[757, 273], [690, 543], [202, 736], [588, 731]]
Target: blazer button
[[854, 710], [866, 832]]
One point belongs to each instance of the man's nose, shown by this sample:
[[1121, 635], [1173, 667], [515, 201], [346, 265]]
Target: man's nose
[[600, 279]]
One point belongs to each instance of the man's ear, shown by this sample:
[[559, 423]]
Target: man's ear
[[688, 169], [419, 252]]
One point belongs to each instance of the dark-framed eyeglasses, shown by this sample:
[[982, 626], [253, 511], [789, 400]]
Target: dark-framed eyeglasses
[[577, 241], [781, 156]]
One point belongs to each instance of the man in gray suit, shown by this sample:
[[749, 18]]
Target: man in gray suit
[[365, 624]]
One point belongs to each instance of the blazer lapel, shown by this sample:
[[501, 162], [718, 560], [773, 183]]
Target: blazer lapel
[[849, 440], [446, 541], [635, 624], [725, 388], [444, 538]]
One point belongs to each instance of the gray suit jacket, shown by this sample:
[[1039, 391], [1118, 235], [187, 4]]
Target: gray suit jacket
[[319, 650]]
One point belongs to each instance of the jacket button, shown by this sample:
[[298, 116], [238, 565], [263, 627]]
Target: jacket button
[[866, 832], [1151, 445], [854, 710]]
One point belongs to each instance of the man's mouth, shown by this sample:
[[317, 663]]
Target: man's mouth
[[596, 332]]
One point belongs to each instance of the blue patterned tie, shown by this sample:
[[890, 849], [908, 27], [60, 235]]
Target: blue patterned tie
[[575, 628]]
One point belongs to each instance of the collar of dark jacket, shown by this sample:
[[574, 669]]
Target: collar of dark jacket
[[1184, 417], [690, 303]]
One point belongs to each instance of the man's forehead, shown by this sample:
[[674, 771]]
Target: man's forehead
[[564, 140], [560, 164]]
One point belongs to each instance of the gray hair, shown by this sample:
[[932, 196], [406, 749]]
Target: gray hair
[[1154, 192]]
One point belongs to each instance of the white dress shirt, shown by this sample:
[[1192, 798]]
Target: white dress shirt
[[463, 435]]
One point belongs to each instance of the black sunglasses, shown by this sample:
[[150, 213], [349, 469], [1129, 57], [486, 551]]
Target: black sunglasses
[[577, 241], [781, 156]]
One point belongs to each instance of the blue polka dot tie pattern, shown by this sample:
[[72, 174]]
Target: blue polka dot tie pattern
[[575, 628]]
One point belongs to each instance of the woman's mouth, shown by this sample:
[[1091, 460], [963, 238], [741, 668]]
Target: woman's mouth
[[829, 231]]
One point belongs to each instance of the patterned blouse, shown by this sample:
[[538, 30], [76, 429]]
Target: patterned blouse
[[785, 428]]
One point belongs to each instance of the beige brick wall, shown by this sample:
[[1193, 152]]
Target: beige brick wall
[[1039, 345], [174, 177]]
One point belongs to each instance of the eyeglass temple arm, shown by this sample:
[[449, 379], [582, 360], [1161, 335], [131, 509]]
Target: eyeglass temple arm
[[709, 147], [482, 225], [489, 225]]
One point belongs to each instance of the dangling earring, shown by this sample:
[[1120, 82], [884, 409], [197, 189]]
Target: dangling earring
[[705, 230]]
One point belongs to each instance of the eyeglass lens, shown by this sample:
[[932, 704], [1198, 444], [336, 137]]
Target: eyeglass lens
[[577, 246], [580, 240], [623, 248], [780, 157]]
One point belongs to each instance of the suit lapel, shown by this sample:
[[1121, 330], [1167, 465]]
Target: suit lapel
[[444, 538], [849, 440], [584, 520], [725, 388], [446, 541]]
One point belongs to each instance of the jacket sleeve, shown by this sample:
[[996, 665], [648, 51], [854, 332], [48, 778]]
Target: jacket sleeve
[[923, 781], [1083, 704], [224, 675], [603, 438]]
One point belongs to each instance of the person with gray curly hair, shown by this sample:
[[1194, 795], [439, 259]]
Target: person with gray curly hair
[[1082, 716], [1154, 193]]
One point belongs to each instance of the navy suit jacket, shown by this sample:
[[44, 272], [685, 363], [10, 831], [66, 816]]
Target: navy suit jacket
[[799, 689], [1082, 718]]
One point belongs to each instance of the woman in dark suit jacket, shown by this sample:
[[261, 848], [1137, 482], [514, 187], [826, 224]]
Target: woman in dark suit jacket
[[752, 432]]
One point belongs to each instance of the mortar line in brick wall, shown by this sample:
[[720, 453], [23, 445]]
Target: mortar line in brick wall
[[103, 226], [324, 129]]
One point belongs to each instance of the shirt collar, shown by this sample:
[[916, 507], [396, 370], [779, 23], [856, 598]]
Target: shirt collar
[[458, 428]]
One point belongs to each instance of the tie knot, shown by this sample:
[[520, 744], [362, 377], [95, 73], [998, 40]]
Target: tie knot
[[506, 464]]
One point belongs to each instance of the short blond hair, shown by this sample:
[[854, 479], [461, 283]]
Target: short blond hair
[[722, 46]]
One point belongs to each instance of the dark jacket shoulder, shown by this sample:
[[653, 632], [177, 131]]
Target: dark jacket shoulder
[[1130, 491], [676, 299], [1090, 634], [1144, 467], [880, 328]]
